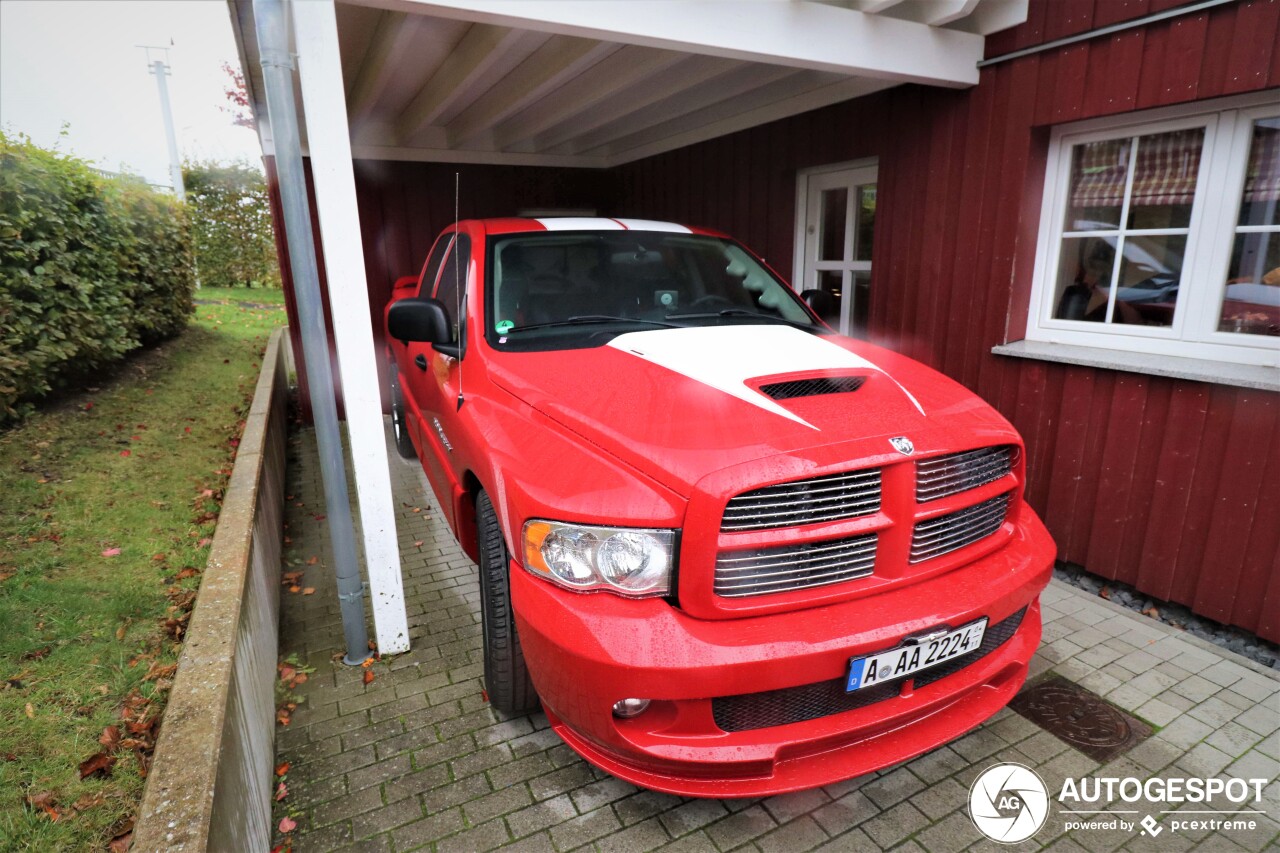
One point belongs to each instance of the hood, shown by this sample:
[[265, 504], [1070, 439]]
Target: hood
[[680, 403]]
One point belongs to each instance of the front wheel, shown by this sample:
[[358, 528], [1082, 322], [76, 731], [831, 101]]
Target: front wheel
[[404, 445], [505, 675]]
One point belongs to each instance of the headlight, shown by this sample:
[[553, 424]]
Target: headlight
[[629, 561]]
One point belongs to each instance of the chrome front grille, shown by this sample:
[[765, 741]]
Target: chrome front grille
[[958, 472], [767, 570], [848, 495], [953, 531]]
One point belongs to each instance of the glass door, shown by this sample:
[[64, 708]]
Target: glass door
[[840, 218]]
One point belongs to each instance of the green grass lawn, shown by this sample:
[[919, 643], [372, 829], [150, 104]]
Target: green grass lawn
[[258, 295], [108, 499]]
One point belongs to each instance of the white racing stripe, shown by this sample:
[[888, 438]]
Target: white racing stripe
[[580, 223], [725, 357]]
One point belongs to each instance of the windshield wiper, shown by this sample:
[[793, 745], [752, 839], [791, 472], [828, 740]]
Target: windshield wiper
[[587, 319], [740, 312]]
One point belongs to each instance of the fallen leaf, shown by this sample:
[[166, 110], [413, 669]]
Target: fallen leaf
[[121, 843], [300, 678], [484, 695], [288, 824], [1152, 612], [1105, 592], [31, 712], [319, 518], [417, 544], [97, 765], [89, 801], [38, 654], [290, 578], [126, 452], [287, 672], [282, 791], [124, 627], [368, 676], [312, 561], [187, 572], [110, 737], [282, 768], [111, 552], [311, 590], [295, 588], [204, 542]]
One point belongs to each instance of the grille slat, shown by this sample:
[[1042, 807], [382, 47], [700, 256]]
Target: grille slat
[[813, 387], [959, 472], [749, 711], [794, 566], [828, 498], [955, 530]]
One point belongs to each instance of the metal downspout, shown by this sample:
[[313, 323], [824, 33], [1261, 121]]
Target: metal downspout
[[277, 74]]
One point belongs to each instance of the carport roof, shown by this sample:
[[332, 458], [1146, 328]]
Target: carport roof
[[595, 84]]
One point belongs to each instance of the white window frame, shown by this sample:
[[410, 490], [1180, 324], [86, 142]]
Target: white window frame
[[1227, 127]]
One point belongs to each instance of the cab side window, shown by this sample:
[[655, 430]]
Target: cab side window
[[453, 280], [431, 270]]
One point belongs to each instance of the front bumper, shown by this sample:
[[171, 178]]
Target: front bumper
[[586, 652]]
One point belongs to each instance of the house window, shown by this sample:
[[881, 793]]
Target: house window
[[1161, 234]]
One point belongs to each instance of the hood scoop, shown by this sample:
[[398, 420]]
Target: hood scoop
[[813, 387]]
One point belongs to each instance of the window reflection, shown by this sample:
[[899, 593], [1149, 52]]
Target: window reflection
[[1251, 298]]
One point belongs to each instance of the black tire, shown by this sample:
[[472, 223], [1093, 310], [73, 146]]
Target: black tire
[[404, 444], [505, 675]]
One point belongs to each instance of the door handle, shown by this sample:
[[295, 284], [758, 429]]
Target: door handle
[[421, 361]]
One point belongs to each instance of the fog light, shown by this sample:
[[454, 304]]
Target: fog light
[[628, 708]]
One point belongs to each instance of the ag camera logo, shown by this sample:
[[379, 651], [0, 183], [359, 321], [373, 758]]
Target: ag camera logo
[[1008, 803]]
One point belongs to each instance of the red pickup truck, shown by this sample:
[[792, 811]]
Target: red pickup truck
[[730, 552]]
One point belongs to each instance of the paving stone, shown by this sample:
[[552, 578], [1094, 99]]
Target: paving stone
[[941, 799], [800, 834], [638, 838], [953, 833], [690, 816], [590, 797], [486, 836], [586, 828], [892, 826], [427, 830], [541, 815], [893, 787], [850, 810], [385, 818], [346, 806], [643, 805], [739, 828], [787, 806], [496, 804]]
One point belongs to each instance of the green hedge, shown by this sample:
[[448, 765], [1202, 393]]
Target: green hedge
[[91, 268]]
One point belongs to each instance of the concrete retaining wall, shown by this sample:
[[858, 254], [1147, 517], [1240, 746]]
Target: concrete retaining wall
[[211, 781]]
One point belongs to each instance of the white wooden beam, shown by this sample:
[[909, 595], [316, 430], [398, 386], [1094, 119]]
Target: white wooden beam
[[320, 69], [723, 89], [391, 40], [602, 86], [559, 60], [933, 13], [479, 50], [799, 34], [812, 100], [992, 16], [686, 72]]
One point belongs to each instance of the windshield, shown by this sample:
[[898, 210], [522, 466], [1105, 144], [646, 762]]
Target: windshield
[[562, 290]]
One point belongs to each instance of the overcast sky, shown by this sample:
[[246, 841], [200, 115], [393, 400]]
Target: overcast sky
[[74, 61]]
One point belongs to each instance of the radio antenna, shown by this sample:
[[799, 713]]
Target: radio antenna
[[457, 288]]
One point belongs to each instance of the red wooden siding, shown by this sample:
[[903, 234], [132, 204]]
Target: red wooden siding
[[1170, 485]]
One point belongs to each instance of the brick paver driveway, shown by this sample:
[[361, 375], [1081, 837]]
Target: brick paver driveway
[[416, 759]]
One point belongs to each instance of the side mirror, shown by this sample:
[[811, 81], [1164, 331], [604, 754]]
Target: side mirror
[[820, 301], [419, 320]]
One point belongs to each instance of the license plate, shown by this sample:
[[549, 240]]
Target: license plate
[[915, 656]]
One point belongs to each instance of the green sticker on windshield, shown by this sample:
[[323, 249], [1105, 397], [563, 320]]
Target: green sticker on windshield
[[504, 326]]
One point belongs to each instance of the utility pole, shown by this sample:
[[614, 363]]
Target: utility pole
[[160, 69]]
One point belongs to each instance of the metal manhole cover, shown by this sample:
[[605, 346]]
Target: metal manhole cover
[[1080, 718]]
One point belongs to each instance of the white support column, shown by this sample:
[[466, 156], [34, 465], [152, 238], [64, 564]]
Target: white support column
[[319, 66]]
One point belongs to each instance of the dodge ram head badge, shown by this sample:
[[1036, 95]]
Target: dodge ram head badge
[[727, 551]]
